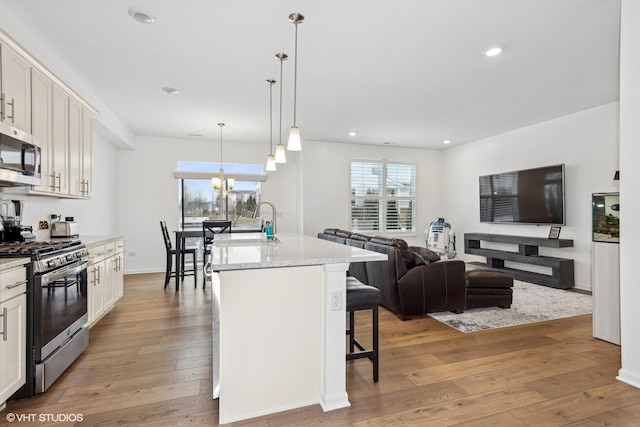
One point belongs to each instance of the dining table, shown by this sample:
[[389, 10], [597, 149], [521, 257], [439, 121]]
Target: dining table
[[184, 233]]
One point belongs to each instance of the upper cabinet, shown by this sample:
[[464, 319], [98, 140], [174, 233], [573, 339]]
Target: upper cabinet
[[36, 101], [15, 90]]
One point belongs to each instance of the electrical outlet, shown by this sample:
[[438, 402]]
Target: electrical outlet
[[336, 301]]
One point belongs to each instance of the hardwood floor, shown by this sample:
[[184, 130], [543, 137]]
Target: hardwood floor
[[148, 364]]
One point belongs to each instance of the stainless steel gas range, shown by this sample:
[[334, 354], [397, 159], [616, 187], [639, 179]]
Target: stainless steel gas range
[[56, 308]]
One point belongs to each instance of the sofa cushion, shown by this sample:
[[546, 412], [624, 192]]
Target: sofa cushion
[[361, 237], [402, 245], [423, 255], [330, 231], [343, 233]]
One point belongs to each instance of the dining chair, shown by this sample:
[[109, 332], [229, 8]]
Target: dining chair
[[209, 229], [171, 253]]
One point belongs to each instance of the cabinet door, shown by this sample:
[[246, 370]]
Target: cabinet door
[[41, 88], [16, 89], [87, 153], [13, 345], [96, 291], [59, 139], [119, 278], [75, 148], [109, 284]]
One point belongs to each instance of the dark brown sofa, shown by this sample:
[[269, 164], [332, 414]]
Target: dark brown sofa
[[413, 281]]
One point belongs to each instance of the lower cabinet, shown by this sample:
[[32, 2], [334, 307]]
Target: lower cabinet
[[106, 279], [13, 331]]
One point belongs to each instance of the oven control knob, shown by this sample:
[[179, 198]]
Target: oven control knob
[[51, 263]]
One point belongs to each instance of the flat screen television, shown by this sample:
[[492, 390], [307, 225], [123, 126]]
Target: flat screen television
[[531, 196]]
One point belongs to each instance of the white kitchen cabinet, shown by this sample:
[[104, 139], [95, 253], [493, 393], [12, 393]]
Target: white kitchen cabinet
[[41, 98], [74, 139], [605, 283], [87, 153], [13, 331], [15, 89], [118, 278], [59, 141], [105, 278], [95, 293], [65, 128]]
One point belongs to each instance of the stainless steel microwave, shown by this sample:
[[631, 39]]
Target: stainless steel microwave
[[19, 158]]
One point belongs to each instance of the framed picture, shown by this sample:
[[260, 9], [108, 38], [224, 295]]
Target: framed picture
[[554, 233]]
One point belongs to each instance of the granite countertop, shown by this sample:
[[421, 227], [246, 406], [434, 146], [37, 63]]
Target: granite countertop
[[250, 250]]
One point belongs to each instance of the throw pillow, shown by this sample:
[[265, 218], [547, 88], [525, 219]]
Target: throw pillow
[[423, 255]]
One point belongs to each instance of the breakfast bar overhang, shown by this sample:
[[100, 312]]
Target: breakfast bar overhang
[[278, 323]]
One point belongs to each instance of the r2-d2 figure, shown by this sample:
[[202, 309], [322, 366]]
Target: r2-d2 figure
[[441, 238]]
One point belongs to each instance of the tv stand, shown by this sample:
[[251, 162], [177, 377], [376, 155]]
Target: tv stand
[[561, 268]]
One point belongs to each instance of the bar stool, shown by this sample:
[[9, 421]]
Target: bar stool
[[362, 297], [171, 253]]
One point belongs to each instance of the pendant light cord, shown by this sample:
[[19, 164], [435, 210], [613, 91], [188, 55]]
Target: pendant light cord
[[295, 77], [280, 131]]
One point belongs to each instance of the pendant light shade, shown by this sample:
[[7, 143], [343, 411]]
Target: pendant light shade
[[216, 183], [295, 143], [281, 157], [271, 163], [271, 159], [294, 139]]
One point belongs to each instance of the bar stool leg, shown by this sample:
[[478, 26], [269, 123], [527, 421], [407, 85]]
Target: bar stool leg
[[375, 345]]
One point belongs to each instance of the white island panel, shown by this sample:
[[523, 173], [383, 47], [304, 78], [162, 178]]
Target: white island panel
[[276, 365]]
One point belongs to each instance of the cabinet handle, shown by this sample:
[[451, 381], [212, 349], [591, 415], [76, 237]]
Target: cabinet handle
[[15, 285], [59, 178], [13, 110], [4, 324]]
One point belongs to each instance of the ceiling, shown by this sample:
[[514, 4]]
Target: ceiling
[[409, 73]]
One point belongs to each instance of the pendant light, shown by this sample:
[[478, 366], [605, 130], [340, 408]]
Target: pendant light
[[281, 157], [271, 159], [294, 132], [217, 182]]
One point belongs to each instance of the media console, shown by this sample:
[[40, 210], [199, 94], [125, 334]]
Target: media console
[[561, 268]]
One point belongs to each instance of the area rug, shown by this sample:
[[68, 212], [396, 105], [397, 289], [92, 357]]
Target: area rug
[[531, 303]]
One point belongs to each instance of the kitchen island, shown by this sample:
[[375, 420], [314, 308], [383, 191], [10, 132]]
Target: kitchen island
[[278, 311]]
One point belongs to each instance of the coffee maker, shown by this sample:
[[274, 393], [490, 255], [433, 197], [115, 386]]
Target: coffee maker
[[11, 229]]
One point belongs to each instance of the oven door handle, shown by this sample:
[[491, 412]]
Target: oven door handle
[[59, 274]]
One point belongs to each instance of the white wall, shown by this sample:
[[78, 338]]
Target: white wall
[[586, 142], [629, 194], [95, 216], [148, 191], [326, 179]]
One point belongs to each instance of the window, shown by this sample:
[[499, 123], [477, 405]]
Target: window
[[383, 196], [198, 200]]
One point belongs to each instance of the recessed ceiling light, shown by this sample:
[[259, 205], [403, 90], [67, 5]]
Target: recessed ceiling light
[[170, 90], [387, 143], [141, 17], [446, 141], [194, 134], [493, 51], [352, 133]]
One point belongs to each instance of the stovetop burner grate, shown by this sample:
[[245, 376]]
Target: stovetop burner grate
[[17, 249]]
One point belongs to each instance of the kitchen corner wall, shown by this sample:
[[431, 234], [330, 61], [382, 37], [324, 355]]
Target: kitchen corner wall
[[95, 216], [586, 142]]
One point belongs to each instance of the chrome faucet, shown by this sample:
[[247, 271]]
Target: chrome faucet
[[273, 210]]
